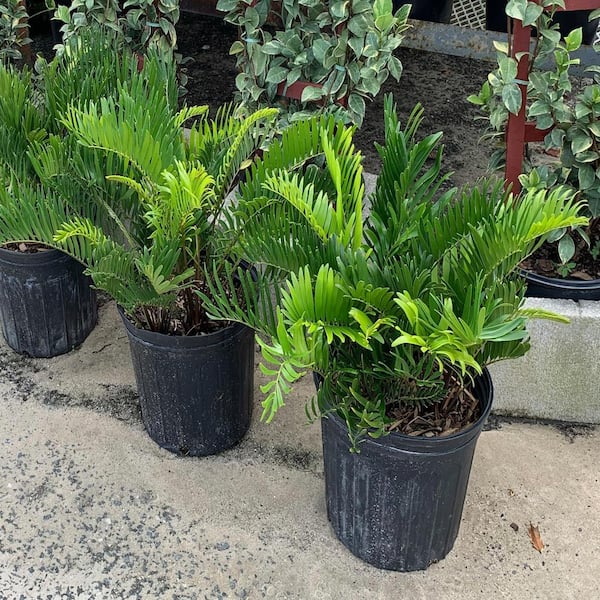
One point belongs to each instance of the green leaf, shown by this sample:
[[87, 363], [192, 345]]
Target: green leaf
[[276, 74], [508, 69], [551, 34], [320, 48], [236, 48], [581, 143], [566, 248], [574, 39], [311, 93], [533, 12], [357, 104], [516, 9], [358, 25], [395, 67], [555, 235], [227, 5], [512, 97], [501, 47], [586, 176], [382, 12]]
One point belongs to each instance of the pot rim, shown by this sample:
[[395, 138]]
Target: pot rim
[[181, 342], [484, 391], [14, 257], [558, 283]]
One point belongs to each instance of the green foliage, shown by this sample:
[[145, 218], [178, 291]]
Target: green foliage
[[94, 162], [37, 159], [575, 129], [344, 47], [564, 269], [13, 29], [153, 254], [390, 308], [33, 104], [143, 24]]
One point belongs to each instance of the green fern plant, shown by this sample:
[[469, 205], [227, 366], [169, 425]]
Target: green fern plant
[[46, 174], [179, 190], [108, 175], [38, 161], [396, 308]]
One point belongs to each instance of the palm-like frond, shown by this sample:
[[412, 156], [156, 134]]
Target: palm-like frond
[[226, 142], [429, 293], [301, 202], [142, 130], [92, 65], [29, 213], [20, 118], [124, 273], [494, 246]]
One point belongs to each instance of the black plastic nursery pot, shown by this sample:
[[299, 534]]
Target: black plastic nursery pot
[[438, 11], [47, 306], [196, 392], [398, 503], [495, 20], [539, 286]]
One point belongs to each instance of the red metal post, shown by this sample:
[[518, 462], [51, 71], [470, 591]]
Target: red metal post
[[515, 129], [518, 132]]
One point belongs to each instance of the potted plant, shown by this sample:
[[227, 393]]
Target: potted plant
[[319, 56], [397, 314], [149, 249], [566, 116], [46, 304]]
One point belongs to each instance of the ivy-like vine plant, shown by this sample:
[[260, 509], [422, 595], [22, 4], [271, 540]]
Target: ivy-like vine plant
[[342, 49], [143, 23], [572, 118], [13, 29]]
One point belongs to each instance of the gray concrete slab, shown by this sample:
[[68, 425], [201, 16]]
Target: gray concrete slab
[[559, 377], [91, 508]]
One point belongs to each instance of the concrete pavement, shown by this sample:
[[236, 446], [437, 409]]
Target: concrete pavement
[[91, 508]]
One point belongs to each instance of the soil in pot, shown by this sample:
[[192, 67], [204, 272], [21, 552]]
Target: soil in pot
[[47, 306], [578, 280], [398, 503]]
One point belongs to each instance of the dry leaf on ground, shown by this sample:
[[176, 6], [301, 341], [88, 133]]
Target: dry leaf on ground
[[536, 538]]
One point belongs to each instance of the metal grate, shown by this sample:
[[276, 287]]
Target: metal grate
[[469, 13]]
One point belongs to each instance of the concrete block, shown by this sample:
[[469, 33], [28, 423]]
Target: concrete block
[[560, 376]]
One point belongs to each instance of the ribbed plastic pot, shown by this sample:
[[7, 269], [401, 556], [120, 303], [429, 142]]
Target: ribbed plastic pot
[[47, 306], [539, 286], [196, 392], [437, 11], [398, 503], [495, 20]]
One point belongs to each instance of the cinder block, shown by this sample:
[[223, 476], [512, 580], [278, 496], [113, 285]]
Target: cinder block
[[560, 376]]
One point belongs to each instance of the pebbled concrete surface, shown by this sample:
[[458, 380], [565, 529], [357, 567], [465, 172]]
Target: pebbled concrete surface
[[91, 508]]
